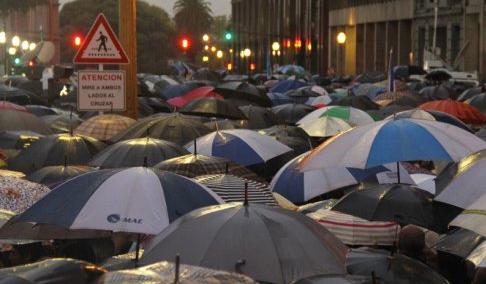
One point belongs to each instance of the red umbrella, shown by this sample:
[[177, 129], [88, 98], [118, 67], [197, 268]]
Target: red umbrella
[[462, 111], [201, 92], [12, 106]]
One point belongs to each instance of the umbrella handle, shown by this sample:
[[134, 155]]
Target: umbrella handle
[[177, 268], [137, 250], [245, 203]]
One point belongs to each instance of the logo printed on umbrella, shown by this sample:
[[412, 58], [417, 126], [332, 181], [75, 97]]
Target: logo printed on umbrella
[[115, 218]]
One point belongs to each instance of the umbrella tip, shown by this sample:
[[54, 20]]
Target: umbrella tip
[[195, 147], [177, 268], [245, 203]]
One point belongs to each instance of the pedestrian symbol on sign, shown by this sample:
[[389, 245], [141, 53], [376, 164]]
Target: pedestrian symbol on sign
[[102, 39]]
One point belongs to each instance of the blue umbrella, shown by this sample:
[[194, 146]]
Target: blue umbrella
[[292, 69], [135, 200], [279, 99], [287, 85], [245, 147], [300, 187]]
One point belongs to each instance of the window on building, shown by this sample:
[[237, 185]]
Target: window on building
[[455, 41]]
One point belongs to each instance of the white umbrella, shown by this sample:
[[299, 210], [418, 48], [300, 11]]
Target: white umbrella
[[473, 217], [351, 115], [325, 126]]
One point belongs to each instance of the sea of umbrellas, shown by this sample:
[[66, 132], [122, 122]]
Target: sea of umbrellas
[[225, 178]]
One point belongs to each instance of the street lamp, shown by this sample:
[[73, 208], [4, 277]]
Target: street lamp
[[247, 52], [3, 37], [205, 58], [206, 47], [16, 41], [341, 38], [25, 45], [219, 54], [205, 38], [242, 54], [275, 46], [32, 46], [12, 50], [213, 49]]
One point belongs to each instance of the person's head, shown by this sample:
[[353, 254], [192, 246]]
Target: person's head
[[411, 240]]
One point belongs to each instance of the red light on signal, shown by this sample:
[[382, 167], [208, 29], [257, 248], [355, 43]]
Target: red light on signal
[[77, 41], [288, 43], [31, 63], [252, 66], [185, 43], [298, 43]]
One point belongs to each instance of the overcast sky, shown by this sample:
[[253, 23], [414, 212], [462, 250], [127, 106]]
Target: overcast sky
[[220, 7]]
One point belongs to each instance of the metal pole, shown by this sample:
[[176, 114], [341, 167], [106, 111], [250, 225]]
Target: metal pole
[[128, 37], [436, 16]]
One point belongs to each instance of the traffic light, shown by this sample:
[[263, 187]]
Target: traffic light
[[228, 36], [185, 43], [31, 63], [76, 40], [17, 60]]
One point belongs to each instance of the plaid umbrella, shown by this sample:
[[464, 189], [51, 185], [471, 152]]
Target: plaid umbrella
[[232, 189], [104, 127], [17, 194], [198, 165]]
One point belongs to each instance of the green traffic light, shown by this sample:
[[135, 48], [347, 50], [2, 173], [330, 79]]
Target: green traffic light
[[228, 36], [17, 60]]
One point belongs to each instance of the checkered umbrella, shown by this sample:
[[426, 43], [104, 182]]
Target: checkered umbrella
[[232, 189], [104, 127], [198, 165]]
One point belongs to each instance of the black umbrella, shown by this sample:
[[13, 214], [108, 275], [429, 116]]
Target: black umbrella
[[269, 244], [198, 165], [225, 124], [243, 91], [433, 93], [57, 270], [291, 113], [39, 110], [478, 101], [481, 133], [258, 117], [176, 128], [18, 140], [286, 130], [232, 188], [21, 121], [58, 149], [361, 102], [401, 203], [136, 153], [386, 111], [388, 268], [157, 105], [408, 100], [297, 144], [213, 107], [61, 123], [207, 75], [460, 242], [54, 175], [370, 77], [20, 96], [336, 279]]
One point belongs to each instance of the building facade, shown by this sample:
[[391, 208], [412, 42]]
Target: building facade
[[299, 26], [40, 21], [406, 27]]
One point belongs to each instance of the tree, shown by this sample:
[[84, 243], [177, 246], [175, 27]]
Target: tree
[[154, 30], [193, 18], [7, 6]]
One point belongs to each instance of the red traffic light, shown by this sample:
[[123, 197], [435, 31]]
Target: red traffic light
[[31, 63], [77, 41], [185, 43]]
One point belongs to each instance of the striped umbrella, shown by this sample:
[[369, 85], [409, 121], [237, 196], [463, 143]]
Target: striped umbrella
[[197, 165], [245, 147], [135, 200], [431, 115], [300, 187], [351, 115], [233, 189], [104, 127], [390, 141], [354, 231]]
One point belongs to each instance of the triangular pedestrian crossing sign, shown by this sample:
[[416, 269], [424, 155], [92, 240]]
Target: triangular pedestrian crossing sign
[[101, 46]]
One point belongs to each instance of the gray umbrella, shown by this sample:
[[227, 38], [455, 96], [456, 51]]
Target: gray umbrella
[[397, 269], [21, 121], [268, 244]]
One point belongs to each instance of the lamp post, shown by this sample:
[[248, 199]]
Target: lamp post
[[247, 53], [341, 40], [3, 42]]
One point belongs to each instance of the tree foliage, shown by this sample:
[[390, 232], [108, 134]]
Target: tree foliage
[[155, 32], [193, 18], [7, 6]]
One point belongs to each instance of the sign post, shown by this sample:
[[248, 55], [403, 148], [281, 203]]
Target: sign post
[[100, 90]]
